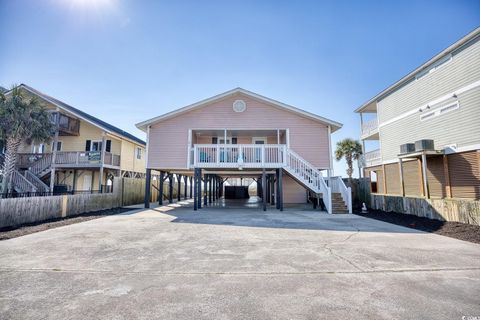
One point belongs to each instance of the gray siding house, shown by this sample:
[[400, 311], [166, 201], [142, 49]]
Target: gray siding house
[[438, 101]]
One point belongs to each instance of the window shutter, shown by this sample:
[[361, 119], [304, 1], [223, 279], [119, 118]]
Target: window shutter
[[108, 147], [88, 145], [214, 140], [234, 140]]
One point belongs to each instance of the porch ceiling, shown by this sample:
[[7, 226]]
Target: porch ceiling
[[238, 132]]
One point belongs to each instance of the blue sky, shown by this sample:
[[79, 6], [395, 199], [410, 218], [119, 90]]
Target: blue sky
[[125, 61]]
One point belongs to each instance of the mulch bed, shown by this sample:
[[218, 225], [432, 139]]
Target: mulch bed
[[18, 231], [457, 230]]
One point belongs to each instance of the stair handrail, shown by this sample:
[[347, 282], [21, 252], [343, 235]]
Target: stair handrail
[[22, 183], [41, 164], [310, 176], [39, 184], [338, 185]]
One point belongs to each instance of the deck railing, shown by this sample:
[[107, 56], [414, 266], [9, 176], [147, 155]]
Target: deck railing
[[372, 158], [369, 127], [239, 155], [86, 158], [38, 162]]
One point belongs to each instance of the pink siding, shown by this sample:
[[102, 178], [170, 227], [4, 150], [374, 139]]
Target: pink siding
[[169, 138], [292, 191]]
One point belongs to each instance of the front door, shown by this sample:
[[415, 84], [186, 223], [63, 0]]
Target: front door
[[87, 182], [258, 151]]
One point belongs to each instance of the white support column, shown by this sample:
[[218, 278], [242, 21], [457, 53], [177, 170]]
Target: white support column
[[225, 136], [330, 151], [278, 136], [287, 137], [189, 148]]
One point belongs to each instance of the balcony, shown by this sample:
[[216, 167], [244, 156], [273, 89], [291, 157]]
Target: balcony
[[238, 156], [67, 126], [72, 159], [372, 158], [86, 159], [370, 130]]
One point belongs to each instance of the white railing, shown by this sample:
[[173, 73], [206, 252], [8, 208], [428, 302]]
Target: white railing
[[239, 155], [369, 127], [85, 158], [338, 186], [372, 158], [306, 173]]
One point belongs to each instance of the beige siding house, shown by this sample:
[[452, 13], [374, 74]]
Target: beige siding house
[[89, 153], [240, 134], [426, 128]]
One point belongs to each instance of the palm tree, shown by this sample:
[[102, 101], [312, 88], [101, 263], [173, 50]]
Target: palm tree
[[350, 150], [21, 119]]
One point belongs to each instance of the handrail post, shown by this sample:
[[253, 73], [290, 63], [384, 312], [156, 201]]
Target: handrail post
[[262, 148], [194, 155], [218, 154]]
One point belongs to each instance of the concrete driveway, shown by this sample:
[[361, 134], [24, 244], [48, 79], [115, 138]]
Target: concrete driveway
[[172, 263]]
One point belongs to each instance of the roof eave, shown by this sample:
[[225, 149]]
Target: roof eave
[[470, 36], [144, 125]]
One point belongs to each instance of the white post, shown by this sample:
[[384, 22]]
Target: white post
[[189, 148], [287, 133], [330, 149]]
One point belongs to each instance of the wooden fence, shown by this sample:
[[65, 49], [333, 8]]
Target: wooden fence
[[458, 210], [126, 191], [18, 211]]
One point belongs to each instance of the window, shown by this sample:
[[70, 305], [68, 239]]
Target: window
[[139, 153], [96, 146], [38, 148], [437, 65], [59, 146]]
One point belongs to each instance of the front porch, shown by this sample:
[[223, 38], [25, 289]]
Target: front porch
[[237, 149]]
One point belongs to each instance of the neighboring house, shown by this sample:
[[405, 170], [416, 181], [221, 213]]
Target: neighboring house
[[439, 101], [89, 152], [242, 134]]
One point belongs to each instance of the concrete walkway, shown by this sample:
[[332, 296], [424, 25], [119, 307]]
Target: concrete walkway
[[172, 263]]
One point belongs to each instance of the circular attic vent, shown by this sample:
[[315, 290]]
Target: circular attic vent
[[239, 106]]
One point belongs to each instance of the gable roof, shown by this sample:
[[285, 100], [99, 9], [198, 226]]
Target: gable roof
[[466, 40], [143, 125], [83, 115]]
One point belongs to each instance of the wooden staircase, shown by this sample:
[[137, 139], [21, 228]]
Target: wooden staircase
[[338, 204]]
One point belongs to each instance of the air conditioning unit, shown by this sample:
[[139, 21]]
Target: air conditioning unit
[[424, 145], [407, 148]]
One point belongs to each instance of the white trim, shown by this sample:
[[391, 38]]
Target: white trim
[[189, 146], [146, 149], [174, 113], [426, 106], [58, 141], [330, 150], [264, 139], [91, 145], [287, 137]]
